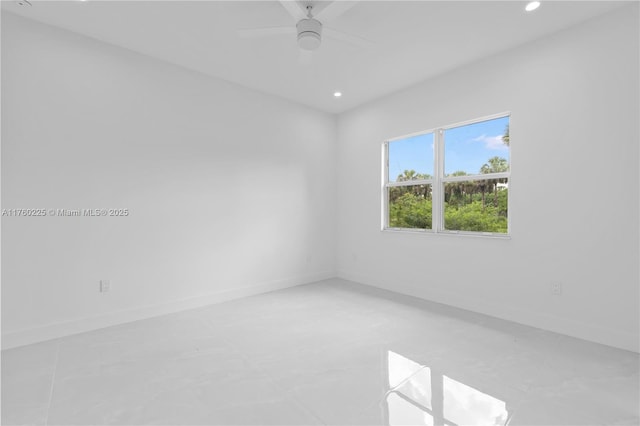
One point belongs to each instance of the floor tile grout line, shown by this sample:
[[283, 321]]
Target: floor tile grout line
[[53, 380]]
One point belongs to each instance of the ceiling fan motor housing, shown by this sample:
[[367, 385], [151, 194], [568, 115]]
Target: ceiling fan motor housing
[[309, 33]]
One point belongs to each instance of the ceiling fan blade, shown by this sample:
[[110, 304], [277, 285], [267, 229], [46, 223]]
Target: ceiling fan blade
[[265, 32], [335, 9], [304, 57], [293, 7], [348, 38]]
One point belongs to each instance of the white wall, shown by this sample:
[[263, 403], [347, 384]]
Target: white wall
[[231, 192], [574, 188]]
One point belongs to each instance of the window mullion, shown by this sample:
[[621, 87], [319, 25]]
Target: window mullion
[[385, 187], [437, 208], [410, 183]]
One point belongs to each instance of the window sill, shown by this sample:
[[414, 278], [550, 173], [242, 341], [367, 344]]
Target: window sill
[[488, 235]]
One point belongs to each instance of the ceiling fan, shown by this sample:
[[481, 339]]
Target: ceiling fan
[[308, 26]]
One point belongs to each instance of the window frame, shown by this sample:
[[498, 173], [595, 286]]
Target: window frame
[[439, 180]]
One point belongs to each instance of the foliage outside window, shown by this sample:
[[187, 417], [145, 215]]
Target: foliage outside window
[[452, 179]]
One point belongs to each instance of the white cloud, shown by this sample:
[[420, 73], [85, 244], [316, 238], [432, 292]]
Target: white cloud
[[492, 142]]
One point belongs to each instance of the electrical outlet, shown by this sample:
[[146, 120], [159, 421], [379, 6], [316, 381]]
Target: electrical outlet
[[556, 289], [105, 286]]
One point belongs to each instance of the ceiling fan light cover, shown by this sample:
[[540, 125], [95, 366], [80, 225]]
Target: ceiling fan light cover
[[309, 34]]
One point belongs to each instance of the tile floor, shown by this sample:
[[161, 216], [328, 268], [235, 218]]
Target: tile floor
[[326, 353]]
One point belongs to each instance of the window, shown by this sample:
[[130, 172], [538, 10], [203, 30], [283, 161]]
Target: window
[[453, 179]]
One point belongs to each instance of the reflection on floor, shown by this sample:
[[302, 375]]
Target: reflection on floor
[[419, 395], [327, 353]]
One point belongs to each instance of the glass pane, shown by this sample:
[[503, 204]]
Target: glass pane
[[477, 148], [411, 158], [410, 206], [478, 205]]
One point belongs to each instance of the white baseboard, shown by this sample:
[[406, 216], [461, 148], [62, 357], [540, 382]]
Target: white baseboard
[[593, 333], [615, 338], [53, 331]]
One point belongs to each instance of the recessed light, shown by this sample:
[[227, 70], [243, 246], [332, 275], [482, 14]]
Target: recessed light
[[532, 5], [337, 94]]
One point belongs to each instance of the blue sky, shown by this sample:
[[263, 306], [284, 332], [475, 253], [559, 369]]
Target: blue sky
[[466, 148]]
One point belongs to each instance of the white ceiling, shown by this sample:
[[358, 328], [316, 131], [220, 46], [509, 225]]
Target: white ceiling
[[412, 40]]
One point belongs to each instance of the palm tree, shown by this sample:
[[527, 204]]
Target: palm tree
[[505, 137], [494, 165], [456, 189], [483, 184], [426, 193], [407, 175]]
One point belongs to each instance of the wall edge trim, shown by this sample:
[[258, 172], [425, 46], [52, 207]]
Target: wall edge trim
[[32, 335]]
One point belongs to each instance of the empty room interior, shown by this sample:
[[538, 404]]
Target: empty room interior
[[320, 212]]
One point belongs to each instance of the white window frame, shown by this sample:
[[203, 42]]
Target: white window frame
[[438, 181]]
